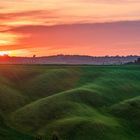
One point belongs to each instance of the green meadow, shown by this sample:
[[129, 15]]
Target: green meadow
[[72, 102]]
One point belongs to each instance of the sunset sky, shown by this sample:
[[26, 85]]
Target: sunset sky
[[84, 27]]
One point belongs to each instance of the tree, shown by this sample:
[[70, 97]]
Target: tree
[[138, 61], [34, 56]]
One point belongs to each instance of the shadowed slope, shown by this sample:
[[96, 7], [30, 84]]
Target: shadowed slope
[[71, 116], [128, 110]]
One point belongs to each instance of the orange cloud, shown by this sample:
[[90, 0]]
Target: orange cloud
[[69, 11], [25, 18], [94, 39], [51, 27]]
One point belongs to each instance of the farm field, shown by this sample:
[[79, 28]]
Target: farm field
[[72, 102]]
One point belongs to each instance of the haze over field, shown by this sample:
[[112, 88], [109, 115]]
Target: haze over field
[[83, 27], [69, 60]]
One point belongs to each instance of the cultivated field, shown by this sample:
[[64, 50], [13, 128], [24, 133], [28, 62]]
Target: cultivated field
[[74, 102]]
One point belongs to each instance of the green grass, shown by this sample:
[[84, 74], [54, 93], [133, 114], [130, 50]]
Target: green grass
[[76, 102]]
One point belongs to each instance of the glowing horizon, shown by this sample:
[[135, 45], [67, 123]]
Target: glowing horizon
[[84, 27]]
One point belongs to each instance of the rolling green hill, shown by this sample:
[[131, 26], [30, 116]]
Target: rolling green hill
[[74, 102]]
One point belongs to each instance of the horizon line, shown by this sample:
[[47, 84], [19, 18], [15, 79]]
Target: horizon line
[[35, 56]]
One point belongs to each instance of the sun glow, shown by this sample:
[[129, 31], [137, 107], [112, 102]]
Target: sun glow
[[5, 53]]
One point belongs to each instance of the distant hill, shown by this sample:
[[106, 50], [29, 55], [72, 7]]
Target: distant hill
[[69, 59]]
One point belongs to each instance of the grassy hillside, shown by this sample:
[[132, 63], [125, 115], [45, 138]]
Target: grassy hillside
[[72, 102]]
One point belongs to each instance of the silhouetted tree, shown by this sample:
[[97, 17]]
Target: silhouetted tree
[[135, 62], [138, 61], [34, 56]]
